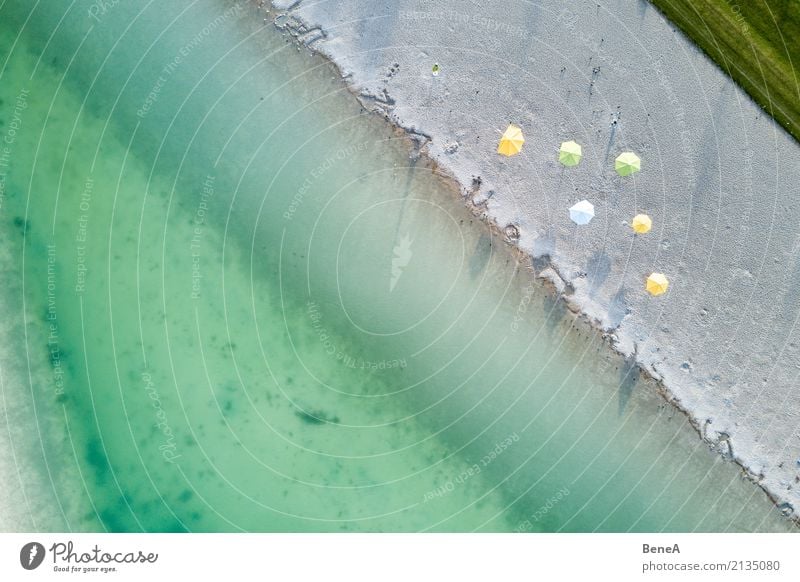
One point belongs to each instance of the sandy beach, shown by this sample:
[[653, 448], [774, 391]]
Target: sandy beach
[[719, 178]]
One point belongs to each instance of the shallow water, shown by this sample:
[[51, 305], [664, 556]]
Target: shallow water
[[251, 310]]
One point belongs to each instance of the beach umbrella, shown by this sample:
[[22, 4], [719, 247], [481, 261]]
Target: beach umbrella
[[582, 212], [570, 153], [511, 142], [627, 163], [641, 223], [657, 284]]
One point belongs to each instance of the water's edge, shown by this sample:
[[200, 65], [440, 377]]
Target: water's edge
[[307, 34]]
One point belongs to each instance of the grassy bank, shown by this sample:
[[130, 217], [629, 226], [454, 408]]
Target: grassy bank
[[757, 42]]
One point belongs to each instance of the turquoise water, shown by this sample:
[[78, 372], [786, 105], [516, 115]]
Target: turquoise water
[[239, 304]]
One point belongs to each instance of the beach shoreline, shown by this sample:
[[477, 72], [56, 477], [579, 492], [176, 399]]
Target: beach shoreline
[[768, 451]]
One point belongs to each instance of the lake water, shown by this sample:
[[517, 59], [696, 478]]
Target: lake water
[[233, 301]]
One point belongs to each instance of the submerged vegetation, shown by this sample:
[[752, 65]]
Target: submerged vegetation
[[757, 43]]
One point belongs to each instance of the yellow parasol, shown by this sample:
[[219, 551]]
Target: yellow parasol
[[570, 153], [627, 163]]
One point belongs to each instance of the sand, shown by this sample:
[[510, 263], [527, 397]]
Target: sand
[[719, 177]]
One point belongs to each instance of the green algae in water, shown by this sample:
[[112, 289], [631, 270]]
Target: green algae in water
[[268, 318]]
